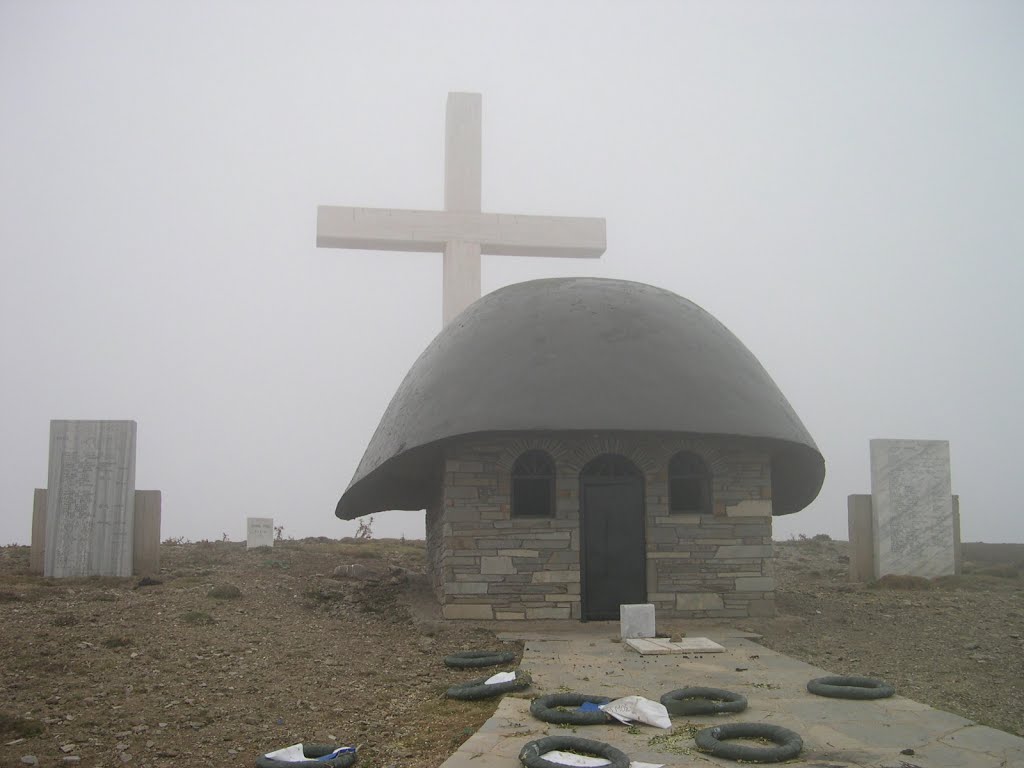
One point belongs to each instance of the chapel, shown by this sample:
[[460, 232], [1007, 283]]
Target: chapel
[[581, 443]]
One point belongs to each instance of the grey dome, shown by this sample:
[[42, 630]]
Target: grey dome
[[570, 354]]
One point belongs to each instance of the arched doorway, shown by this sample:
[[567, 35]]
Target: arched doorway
[[613, 560]]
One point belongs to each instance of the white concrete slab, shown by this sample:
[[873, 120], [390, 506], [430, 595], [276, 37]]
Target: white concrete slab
[[657, 646]]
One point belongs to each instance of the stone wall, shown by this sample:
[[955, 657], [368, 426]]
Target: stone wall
[[487, 564]]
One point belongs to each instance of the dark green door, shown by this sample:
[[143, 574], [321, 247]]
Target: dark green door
[[613, 555]]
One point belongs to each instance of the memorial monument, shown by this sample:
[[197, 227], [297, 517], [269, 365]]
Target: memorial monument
[[910, 523], [90, 520], [461, 232]]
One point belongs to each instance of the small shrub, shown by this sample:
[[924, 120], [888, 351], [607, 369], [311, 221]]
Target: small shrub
[[14, 727], [198, 618], [999, 571], [894, 581], [365, 528], [7, 596], [821, 537], [65, 620], [225, 592]]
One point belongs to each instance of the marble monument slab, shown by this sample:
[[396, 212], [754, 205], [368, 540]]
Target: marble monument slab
[[912, 508], [90, 503], [259, 532]]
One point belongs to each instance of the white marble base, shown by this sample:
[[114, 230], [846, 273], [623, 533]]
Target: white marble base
[[911, 508], [90, 504]]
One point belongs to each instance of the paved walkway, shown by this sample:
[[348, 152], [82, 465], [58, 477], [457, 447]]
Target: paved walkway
[[837, 733]]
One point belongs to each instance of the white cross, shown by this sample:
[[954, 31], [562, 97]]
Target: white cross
[[460, 231]]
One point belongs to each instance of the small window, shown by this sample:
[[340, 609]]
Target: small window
[[533, 485], [689, 484]]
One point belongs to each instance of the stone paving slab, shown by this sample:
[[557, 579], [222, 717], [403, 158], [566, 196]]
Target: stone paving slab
[[655, 646], [837, 733]]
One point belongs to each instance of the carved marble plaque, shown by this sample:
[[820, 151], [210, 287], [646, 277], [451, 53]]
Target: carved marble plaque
[[90, 504], [259, 532], [912, 508]]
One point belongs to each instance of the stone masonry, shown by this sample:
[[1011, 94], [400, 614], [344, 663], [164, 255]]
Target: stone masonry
[[485, 564]]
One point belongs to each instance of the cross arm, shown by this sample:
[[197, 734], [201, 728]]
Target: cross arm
[[504, 234]]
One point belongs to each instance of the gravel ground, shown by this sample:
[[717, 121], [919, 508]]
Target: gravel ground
[[168, 675], [238, 652]]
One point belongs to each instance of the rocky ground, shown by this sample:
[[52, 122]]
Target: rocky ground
[[238, 652], [233, 654], [955, 643]]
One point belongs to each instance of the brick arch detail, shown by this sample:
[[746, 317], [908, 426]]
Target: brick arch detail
[[589, 450], [520, 445], [709, 453]]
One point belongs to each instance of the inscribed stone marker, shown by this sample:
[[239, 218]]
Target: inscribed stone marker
[[259, 532], [636, 620], [90, 505], [911, 508]]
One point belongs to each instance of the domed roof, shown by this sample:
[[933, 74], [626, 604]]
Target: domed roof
[[569, 354]]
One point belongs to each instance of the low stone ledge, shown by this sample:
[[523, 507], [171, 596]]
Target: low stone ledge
[[548, 613], [457, 611]]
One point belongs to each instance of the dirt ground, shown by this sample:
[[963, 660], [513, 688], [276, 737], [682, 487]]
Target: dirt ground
[[238, 652]]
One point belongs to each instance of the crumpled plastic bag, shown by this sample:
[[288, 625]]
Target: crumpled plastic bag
[[630, 708], [500, 677], [294, 754], [570, 758]]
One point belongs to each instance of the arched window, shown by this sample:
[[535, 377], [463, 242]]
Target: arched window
[[533, 485], [689, 484]]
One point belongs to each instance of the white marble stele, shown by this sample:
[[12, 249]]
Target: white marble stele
[[912, 508], [462, 232], [90, 504], [259, 532]]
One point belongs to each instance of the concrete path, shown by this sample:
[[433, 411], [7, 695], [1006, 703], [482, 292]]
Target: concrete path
[[837, 733]]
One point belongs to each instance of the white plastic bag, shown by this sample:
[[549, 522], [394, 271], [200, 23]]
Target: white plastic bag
[[292, 754], [296, 754], [630, 708], [501, 677], [569, 758]]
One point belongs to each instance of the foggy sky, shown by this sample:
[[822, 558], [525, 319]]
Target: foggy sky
[[841, 184]]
